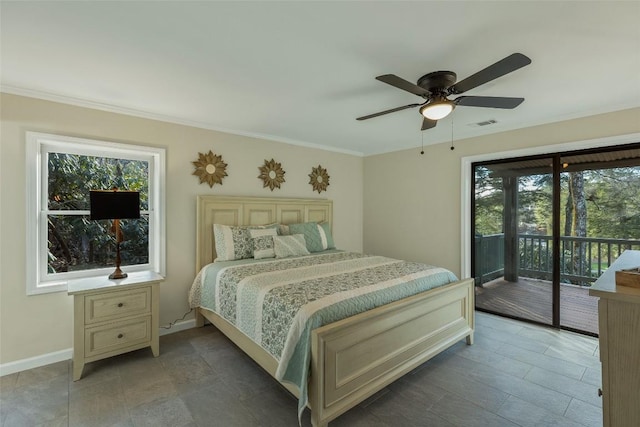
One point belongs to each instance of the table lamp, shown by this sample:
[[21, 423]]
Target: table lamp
[[116, 205]]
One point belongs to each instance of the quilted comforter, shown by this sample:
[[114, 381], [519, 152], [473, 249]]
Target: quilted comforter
[[278, 302]]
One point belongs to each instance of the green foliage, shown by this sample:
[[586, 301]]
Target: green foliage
[[489, 202], [534, 204], [613, 202], [612, 195], [74, 241]]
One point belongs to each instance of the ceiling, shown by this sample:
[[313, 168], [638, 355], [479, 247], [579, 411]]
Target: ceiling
[[301, 72]]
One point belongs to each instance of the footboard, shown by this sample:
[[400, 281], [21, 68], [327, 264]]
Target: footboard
[[354, 358]]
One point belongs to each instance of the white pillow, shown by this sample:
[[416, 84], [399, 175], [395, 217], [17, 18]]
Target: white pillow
[[263, 242], [286, 246]]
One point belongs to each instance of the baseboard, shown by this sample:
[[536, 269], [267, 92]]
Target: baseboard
[[35, 362], [177, 327], [67, 354]]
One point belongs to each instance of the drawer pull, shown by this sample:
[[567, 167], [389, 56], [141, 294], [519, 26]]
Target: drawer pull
[[120, 335], [120, 304]]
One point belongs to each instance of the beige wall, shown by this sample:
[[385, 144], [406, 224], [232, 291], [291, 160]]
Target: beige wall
[[406, 205], [412, 202], [31, 326]]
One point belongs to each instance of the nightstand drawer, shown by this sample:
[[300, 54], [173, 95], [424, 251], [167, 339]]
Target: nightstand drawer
[[116, 305], [116, 336]]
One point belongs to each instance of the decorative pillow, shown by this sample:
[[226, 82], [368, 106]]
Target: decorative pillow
[[283, 230], [232, 242], [286, 246], [311, 235], [263, 242], [325, 236], [275, 226]]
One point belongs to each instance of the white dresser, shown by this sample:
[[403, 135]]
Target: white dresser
[[619, 324], [114, 316]]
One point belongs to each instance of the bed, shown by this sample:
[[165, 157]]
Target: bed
[[350, 359]]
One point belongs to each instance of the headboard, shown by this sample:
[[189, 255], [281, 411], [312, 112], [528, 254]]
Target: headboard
[[231, 210]]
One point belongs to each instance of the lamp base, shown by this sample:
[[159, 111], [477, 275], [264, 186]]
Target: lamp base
[[118, 274]]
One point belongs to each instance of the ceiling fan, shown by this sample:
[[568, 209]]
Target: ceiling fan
[[435, 87]]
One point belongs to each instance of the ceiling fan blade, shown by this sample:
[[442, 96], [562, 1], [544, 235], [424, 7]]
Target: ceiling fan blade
[[488, 101], [393, 110], [499, 69], [428, 124], [400, 83]]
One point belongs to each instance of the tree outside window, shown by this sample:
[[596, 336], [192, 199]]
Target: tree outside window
[[74, 241]]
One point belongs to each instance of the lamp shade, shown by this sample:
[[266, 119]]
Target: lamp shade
[[113, 204]]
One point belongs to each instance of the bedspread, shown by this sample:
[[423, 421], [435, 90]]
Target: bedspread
[[278, 302]]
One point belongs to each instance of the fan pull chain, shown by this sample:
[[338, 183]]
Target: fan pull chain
[[452, 147], [422, 135]]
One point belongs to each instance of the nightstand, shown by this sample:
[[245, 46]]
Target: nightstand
[[112, 317]]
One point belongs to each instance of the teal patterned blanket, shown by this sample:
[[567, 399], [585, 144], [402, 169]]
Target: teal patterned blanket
[[278, 302]]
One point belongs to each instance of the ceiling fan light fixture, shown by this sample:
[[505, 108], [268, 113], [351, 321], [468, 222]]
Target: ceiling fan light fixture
[[434, 88], [437, 110]]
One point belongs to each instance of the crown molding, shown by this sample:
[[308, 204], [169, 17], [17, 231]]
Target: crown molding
[[78, 102]]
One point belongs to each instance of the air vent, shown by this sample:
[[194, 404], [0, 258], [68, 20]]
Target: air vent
[[483, 123]]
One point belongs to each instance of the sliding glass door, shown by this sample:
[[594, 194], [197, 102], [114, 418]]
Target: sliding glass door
[[546, 227], [600, 210], [513, 245]]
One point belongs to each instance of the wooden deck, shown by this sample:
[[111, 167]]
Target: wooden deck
[[531, 299]]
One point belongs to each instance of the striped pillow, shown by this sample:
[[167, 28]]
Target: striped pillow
[[325, 236], [286, 246], [311, 235]]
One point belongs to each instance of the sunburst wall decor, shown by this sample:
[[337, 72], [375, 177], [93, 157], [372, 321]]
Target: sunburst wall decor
[[210, 168], [271, 174], [319, 179]]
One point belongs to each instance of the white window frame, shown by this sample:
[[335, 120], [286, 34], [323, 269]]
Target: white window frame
[[38, 145]]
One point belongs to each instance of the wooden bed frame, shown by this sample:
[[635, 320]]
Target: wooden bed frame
[[356, 357]]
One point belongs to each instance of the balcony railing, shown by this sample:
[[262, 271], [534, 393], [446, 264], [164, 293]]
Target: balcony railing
[[582, 259], [489, 257]]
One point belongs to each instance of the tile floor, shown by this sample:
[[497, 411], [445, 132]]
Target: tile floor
[[515, 374]]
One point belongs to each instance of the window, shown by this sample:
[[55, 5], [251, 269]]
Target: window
[[62, 242]]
